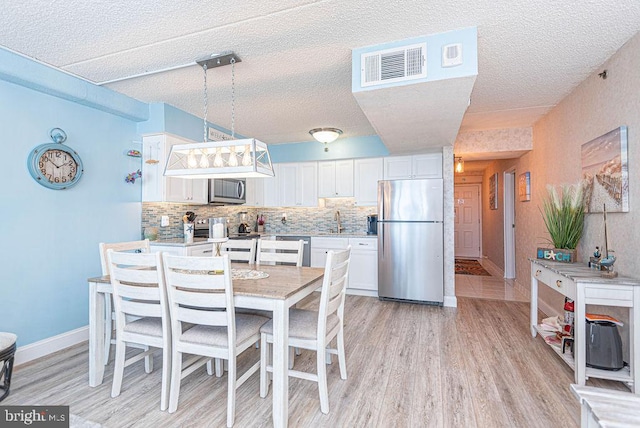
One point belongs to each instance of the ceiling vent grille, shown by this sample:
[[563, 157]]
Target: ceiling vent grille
[[393, 65]]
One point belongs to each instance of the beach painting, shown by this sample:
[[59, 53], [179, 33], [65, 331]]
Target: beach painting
[[605, 170]]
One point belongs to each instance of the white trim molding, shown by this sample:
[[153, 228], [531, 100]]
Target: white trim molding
[[47, 346], [450, 302]]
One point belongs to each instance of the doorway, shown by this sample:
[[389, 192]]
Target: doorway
[[467, 220], [509, 224]]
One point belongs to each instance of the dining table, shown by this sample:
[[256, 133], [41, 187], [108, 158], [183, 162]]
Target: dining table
[[276, 289]]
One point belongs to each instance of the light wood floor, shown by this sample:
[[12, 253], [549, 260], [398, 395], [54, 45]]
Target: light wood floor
[[408, 366]]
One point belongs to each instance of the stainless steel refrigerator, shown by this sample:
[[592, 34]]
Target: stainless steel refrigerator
[[410, 241]]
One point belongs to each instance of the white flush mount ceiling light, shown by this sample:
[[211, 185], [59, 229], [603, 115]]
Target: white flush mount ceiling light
[[220, 159], [326, 135]]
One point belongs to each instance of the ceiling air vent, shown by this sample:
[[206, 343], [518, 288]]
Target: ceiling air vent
[[393, 65]]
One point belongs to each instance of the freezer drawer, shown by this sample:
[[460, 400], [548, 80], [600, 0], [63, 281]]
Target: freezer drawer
[[410, 262]]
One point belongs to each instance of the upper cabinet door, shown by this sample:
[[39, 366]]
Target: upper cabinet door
[[427, 165], [326, 179], [397, 167], [298, 184], [419, 166], [335, 179], [288, 184], [308, 184], [367, 173], [271, 188], [344, 178]]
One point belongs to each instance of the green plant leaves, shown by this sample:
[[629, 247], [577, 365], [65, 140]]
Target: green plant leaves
[[563, 213]]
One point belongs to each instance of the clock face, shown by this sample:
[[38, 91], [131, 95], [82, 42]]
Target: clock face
[[58, 166], [55, 166]]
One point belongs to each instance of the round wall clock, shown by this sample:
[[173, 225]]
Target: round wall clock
[[54, 165]]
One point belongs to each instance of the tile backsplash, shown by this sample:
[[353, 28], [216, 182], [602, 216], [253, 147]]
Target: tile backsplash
[[303, 221]]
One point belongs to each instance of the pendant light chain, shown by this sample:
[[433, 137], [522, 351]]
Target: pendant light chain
[[233, 98], [204, 67]]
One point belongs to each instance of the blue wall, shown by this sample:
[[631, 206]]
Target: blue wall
[[49, 237]]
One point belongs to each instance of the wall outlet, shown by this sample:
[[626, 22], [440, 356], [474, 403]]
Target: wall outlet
[[164, 221]]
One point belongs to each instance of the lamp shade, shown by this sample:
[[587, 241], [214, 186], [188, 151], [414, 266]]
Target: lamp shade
[[220, 159], [326, 135]]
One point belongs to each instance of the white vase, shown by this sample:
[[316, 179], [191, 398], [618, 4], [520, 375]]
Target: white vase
[[188, 233]]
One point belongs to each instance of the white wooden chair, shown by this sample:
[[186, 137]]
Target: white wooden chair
[[201, 292], [142, 313], [131, 246], [240, 250], [271, 252], [315, 330]]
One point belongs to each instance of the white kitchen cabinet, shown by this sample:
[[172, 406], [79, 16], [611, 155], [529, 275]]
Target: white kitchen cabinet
[[367, 173], [363, 266], [263, 192], [298, 184], [320, 246], [158, 188], [427, 165], [335, 178], [195, 250]]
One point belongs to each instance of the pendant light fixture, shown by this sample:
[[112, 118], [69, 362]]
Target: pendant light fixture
[[229, 158], [458, 165]]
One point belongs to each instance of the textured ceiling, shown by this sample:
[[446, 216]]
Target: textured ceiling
[[295, 72]]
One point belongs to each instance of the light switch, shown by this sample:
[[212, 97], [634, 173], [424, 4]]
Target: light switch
[[164, 221]]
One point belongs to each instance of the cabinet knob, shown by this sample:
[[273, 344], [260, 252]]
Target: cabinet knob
[[538, 272], [558, 283]]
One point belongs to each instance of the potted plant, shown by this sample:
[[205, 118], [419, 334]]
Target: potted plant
[[563, 212]]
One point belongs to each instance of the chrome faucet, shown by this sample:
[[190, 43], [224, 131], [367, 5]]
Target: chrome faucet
[[336, 217]]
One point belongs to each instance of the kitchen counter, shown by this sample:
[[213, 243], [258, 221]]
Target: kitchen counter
[[178, 242]]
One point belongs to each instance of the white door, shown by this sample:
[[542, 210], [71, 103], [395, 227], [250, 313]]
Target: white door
[[466, 202], [509, 224]]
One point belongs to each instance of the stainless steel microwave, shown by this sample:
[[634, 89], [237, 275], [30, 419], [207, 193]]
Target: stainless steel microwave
[[227, 191]]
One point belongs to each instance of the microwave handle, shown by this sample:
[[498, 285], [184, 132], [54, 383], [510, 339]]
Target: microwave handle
[[241, 189]]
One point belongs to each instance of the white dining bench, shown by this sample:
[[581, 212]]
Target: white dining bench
[[607, 408]]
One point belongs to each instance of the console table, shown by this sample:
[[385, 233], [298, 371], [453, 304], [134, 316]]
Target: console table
[[585, 286]]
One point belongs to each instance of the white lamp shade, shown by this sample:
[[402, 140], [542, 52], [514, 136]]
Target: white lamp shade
[[326, 135]]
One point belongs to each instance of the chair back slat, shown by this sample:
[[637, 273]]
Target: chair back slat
[[120, 247], [197, 279], [334, 284], [140, 309], [270, 251], [206, 300], [195, 296], [199, 316], [138, 287], [240, 250]]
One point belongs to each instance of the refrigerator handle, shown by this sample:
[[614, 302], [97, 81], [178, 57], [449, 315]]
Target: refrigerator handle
[[381, 238], [380, 200]]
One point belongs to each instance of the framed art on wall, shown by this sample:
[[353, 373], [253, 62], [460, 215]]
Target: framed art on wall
[[493, 191], [524, 187], [605, 169]]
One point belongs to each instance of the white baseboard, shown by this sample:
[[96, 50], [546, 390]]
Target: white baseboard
[[492, 268], [450, 302], [357, 292], [47, 346]]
